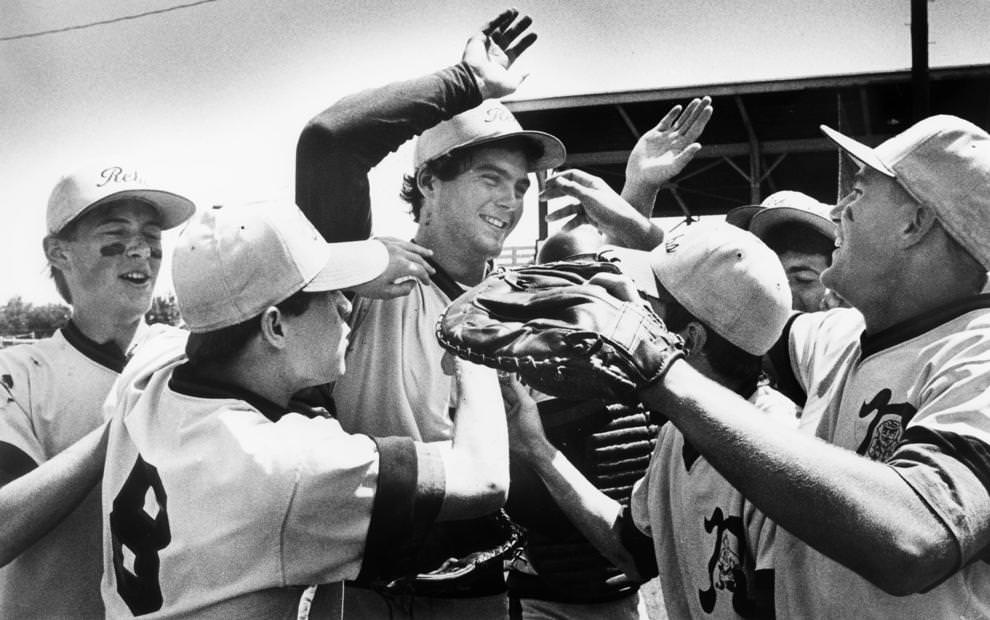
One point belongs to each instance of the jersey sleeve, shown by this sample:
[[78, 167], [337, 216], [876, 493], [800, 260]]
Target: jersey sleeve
[[945, 451], [359, 505], [23, 450], [339, 146]]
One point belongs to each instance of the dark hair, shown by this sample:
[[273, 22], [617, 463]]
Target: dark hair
[[68, 233], [794, 237], [741, 368], [451, 164], [224, 344]]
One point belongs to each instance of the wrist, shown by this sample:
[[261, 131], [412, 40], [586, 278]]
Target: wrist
[[641, 195]]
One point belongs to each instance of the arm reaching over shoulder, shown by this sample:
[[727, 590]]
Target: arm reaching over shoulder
[[32, 504], [663, 151], [407, 262]]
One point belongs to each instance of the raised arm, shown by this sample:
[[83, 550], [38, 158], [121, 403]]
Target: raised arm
[[340, 145], [663, 151]]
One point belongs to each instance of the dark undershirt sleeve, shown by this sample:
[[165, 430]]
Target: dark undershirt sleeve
[[408, 500], [951, 474]]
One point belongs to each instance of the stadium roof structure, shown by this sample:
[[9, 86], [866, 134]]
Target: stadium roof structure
[[763, 137]]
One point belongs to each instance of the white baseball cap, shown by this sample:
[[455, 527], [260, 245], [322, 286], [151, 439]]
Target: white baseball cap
[[943, 162], [90, 187], [233, 262], [489, 122], [784, 207], [721, 274]]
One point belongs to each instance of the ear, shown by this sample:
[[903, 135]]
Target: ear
[[55, 252], [426, 182], [695, 336], [919, 221], [273, 327]]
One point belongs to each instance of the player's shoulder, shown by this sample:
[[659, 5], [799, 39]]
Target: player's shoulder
[[36, 356]]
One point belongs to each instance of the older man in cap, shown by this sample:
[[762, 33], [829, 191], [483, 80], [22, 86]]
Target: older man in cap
[[887, 511], [104, 248]]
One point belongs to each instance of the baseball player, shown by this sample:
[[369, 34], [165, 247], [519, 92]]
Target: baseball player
[[472, 165], [712, 547], [889, 516], [561, 574], [221, 498], [104, 248], [797, 227]]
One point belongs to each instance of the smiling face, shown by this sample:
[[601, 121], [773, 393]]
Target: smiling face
[[473, 213], [867, 254], [111, 260]]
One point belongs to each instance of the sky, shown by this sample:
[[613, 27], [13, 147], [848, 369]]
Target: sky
[[210, 98]]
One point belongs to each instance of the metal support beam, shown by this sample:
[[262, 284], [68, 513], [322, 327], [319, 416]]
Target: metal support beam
[[754, 152]]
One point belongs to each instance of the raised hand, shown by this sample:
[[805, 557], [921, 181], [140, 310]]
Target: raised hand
[[600, 205], [490, 53], [663, 151], [406, 264]]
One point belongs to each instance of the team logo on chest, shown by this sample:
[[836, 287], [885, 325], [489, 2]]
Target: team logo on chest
[[887, 426], [727, 570]]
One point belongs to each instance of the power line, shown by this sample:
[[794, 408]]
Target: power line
[[104, 22]]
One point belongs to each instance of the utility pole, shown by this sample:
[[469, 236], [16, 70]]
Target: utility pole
[[919, 59]]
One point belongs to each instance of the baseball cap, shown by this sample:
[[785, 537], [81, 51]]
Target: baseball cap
[[90, 187], [723, 275], [232, 262], [489, 122], [784, 207], [943, 162]]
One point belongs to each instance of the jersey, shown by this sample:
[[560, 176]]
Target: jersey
[[219, 503], [394, 340], [52, 396], [714, 549], [915, 396]]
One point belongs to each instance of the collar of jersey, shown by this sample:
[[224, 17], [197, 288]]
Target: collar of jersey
[[106, 354], [185, 380], [915, 326]]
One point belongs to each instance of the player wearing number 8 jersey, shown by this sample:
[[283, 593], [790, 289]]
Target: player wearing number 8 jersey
[[221, 498]]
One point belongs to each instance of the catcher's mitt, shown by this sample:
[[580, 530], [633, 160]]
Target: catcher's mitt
[[563, 335]]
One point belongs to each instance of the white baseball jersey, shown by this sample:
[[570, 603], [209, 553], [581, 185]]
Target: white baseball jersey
[[713, 547], [395, 341], [917, 397], [217, 502], [52, 395]]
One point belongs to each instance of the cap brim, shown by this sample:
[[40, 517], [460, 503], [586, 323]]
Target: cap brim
[[172, 208], [636, 264], [762, 222], [741, 216], [857, 150], [554, 153], [349, 264]]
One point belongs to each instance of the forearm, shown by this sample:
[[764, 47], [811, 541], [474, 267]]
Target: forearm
[[593, 513], [340, 145], [858, 512], [641, 195], [33, 504], [477, 464]]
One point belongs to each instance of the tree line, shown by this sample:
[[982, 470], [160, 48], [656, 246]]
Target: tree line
[[23, 319]]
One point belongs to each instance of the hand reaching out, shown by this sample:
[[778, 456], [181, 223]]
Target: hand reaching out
[[490, 53], [663, 151], [406, 264], [599, 204]]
